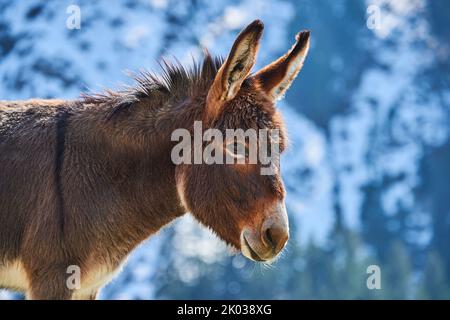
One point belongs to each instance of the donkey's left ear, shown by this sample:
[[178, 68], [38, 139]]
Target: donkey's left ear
[[238, 64], [277, 77]]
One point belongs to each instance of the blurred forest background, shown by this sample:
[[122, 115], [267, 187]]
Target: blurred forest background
[[368, 169]]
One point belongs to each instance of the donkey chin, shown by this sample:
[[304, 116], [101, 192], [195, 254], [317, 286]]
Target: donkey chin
[[265, 244]]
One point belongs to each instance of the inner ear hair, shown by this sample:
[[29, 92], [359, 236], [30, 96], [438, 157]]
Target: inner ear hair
[[277, 77], [234, 70], [240, 60], [239, 70]]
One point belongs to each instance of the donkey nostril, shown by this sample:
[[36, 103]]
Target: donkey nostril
[[269, 238], [275, 236]]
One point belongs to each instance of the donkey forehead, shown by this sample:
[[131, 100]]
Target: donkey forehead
[[250, 109], [252, 114]]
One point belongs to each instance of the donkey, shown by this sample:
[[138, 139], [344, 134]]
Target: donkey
[[83, 182]]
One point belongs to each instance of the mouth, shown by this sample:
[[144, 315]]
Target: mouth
[[249, 249]]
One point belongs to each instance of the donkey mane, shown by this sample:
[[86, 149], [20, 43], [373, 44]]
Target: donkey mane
[[174, 82]]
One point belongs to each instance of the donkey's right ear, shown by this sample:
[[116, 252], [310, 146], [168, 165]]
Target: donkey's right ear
[[238, 64]]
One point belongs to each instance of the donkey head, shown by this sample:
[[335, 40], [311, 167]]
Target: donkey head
[[243, 206]]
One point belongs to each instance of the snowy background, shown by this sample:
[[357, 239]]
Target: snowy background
[[369, 164]]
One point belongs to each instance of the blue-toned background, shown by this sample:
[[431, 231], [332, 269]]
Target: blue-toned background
[[368, 168]]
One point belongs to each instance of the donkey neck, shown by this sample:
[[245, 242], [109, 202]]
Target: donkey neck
[[145, 128], [147, 114], [131, 132], [133, 148]]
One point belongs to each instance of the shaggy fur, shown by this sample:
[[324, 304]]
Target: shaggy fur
[[84, 182]]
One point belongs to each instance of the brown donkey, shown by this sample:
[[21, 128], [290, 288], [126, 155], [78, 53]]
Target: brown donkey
[[83, 182]]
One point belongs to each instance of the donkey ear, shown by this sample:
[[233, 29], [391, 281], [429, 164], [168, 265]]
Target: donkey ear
[[238, 64], [276, 78]]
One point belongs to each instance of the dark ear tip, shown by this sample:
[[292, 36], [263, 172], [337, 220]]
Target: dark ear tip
[[303, 36], [256, 26]]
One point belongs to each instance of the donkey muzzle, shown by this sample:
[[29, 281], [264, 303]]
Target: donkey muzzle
[[266, 243]]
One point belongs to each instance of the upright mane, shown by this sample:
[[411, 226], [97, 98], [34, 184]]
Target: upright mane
[[174, 82]]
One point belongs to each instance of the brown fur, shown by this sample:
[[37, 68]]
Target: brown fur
[[84, 182]]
